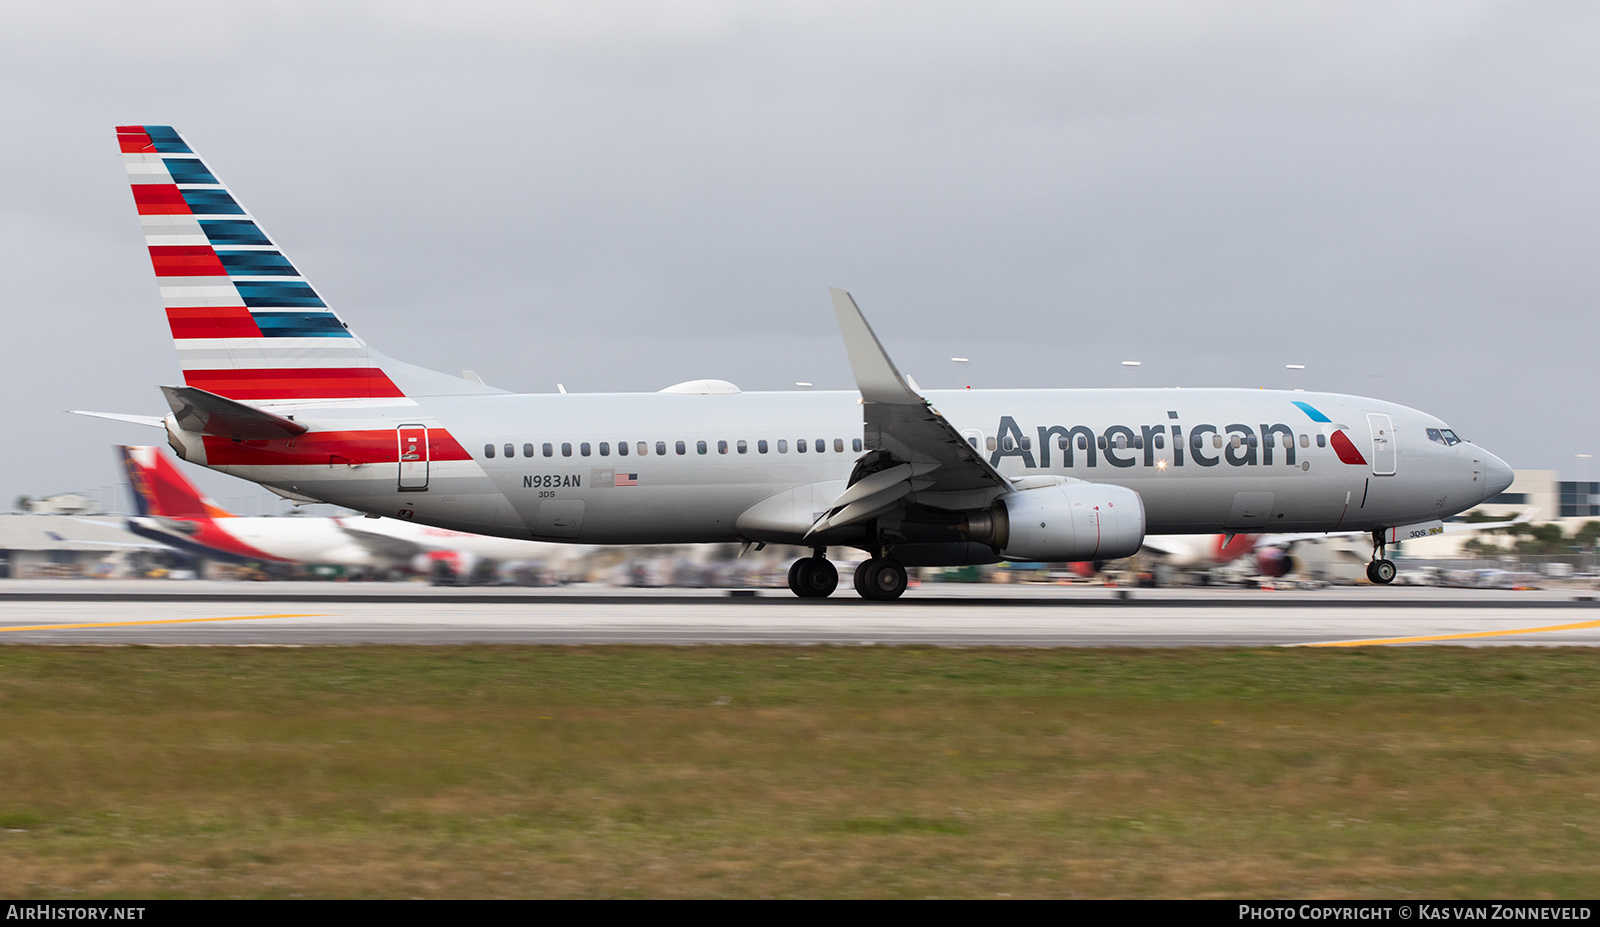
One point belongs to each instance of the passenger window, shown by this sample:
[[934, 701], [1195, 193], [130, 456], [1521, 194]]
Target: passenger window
[[527, 450], [644, 449], [1251, 440], [700, 447], [742, 447], [1322, 440], [1122, 442], [1007, 443], [988, 443], [661, 449], [511, 450], [1197, 441], [1027, 443], [1235, 440], [584, 449], [761, 446], [566, 449], [681, 450], [1101, 442], [783, 446], [800, 446], [1061, 442], [1305, 441], [838, 445], [549, 451], [821, 445], [973, 442], [622, 448], [605, 448], [722, 447], [488, 451], [855, 445], [1161, 442], [1216, 441], [1083, 442]]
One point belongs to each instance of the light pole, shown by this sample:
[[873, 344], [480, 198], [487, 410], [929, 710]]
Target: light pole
[[1584, 494]]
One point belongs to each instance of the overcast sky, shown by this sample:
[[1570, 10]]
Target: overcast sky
[[1401, 196]]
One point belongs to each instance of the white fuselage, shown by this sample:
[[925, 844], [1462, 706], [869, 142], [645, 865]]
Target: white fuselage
[[1144, 440]]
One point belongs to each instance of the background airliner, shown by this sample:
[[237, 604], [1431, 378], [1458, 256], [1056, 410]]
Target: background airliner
[[174, 511], [280, 391]]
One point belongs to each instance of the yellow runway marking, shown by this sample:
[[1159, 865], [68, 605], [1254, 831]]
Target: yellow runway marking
[[125, 624], [1456, 637]]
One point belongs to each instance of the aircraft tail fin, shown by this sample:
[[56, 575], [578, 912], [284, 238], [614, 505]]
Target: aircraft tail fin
[[247, 323], [161, 490]]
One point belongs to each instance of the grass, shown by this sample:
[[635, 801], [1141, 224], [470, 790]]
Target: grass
[[818, 772]]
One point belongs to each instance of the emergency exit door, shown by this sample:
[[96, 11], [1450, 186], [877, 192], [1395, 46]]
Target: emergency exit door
[[413, 458]]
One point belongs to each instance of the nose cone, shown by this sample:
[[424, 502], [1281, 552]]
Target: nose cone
[[1496, 476]]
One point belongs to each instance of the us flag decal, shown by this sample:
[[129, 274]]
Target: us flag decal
[[625, 479]]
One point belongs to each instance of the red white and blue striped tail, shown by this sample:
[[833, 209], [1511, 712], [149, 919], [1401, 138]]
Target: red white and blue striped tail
[[247, 324]]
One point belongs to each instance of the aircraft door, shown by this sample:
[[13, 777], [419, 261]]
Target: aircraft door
[[1383, 450], [413, 458]]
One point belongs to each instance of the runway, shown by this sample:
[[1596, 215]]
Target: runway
[[306, 614]]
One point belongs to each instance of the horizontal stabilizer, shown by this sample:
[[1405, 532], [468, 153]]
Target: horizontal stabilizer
[[153, 421], [209, 414]]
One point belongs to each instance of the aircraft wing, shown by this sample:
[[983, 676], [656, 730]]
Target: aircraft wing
[[911, 447], [378, 543]]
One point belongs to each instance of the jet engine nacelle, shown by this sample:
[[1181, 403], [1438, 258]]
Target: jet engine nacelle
[[1066, 521]]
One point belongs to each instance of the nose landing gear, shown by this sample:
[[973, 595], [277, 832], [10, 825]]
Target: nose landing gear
[[1381, 570]]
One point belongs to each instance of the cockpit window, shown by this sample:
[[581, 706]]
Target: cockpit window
[[1435, 435], [1450, 437]]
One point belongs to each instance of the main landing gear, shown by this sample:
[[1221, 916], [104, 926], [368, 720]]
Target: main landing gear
[[813, 577], [881, 579], [1381, 570]]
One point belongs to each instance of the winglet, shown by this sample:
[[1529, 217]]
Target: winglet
[[876, 375]]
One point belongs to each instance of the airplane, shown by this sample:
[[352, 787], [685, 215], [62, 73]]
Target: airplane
[[172, 510], [281, 391]]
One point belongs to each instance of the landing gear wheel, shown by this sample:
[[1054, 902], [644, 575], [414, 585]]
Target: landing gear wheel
[[881, 580], [863, 574], [813, 578], [1381, 572]]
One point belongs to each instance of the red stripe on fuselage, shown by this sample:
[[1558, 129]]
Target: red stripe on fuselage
[[296, 383], [159, 199], [212, 322], [327, 448], [186, 261], [1347, 451]]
